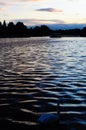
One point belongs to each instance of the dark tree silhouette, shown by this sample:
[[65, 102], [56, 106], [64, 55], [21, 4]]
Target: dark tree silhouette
[[41, 31], [11, 25], [20, 30], [11, 29], [45, 30], [83, 32], [4, 24], [0, 24]]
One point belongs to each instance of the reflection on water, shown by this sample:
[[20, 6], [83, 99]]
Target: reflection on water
[[36, 72]]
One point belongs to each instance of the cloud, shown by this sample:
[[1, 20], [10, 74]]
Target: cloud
[[3, 6], [24, 0], [2, 3], [9, 2], [53, 24], [34, 22], [49, 10], [30, 0]]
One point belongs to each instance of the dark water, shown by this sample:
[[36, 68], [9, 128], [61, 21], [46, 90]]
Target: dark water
[[36, 72]]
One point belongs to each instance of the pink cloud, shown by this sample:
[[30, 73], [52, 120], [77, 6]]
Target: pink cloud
[[32, 22], [2, 3], [49, 10]]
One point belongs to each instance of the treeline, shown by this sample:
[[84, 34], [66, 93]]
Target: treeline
[[73, 32], [20, 30]]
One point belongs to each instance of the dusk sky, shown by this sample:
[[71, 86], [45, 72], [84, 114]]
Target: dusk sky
[[35, 12]]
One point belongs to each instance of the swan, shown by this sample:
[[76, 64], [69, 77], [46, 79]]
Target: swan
[[49, 118]]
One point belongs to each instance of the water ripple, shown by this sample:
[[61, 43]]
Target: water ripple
[[36, 72]]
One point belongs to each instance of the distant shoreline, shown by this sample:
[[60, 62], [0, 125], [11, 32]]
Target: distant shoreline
[[43, 36], [20, 30]]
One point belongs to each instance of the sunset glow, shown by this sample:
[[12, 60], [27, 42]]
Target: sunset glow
[[34, 12]]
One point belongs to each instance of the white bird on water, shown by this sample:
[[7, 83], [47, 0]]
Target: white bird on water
[[49, 118]]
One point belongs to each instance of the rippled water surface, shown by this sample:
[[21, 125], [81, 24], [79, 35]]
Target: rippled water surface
[[37, 72]]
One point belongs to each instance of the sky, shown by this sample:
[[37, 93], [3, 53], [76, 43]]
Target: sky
[[37, 12]]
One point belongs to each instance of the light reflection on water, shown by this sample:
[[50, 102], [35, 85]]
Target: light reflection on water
[[36, 72]]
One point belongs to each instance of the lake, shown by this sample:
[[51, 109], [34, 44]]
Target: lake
[[35, 73]]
